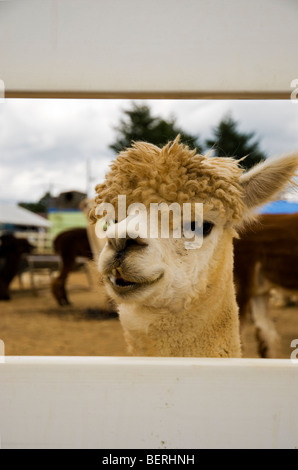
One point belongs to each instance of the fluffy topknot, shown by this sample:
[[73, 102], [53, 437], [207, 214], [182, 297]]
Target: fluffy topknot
[[145, 173]]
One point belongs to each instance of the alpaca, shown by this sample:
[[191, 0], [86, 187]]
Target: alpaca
[[174, 301], [266, 257], [69, 245], [12, 250]]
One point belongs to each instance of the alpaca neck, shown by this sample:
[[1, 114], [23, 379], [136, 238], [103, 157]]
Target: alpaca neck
[[206, 327]]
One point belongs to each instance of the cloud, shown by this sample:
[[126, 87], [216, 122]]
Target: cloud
[[46, 144], [275, 122]]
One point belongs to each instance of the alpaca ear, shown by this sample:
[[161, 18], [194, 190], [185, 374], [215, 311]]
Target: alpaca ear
[[263, 182]]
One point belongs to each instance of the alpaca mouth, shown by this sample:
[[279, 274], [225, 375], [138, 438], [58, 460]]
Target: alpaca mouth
[[123, 284]]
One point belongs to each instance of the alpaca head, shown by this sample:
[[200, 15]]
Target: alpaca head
[[160, 272]]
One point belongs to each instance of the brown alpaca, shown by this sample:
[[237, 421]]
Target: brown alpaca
[[69, 245]]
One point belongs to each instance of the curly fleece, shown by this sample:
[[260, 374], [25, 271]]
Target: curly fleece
[[146, 174]]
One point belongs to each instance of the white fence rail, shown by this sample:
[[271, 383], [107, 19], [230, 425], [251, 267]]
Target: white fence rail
[[42, 241], [198, 48], [148, 403]]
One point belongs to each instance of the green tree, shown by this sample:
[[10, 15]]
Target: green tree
[[228, 141], [39, 206], [138, 124]]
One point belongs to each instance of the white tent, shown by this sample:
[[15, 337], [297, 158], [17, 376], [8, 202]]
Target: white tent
[[12, 214]]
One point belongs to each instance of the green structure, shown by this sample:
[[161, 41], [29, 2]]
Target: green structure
[[64, 212], [62, 220]]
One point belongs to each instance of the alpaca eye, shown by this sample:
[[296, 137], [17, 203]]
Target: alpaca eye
[[207, 228], [198, 229], [193, 225]]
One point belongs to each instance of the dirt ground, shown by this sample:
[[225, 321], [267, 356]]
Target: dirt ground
[[32, 323]]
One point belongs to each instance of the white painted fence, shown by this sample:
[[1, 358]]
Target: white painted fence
[[193, 48], [148, 403], [42, 241]]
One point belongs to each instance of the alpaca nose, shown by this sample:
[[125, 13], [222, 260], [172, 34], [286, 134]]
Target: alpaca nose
[[119, 238], [121, 244]]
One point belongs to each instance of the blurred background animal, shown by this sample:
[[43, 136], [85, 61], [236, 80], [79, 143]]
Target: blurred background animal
[[69, 244], [266, 259], [12, 251]]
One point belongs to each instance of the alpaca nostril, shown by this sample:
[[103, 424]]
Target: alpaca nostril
[[118, 244], [135, 242]]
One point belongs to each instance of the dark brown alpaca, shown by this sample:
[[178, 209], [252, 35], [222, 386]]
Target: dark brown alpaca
[[12, 250], [266, 256], [69, 245]]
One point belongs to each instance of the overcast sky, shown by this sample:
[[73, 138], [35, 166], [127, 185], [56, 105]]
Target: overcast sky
[[45, 144]]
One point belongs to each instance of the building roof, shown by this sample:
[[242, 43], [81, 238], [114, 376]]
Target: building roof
[[16, 215], [66, 200]]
